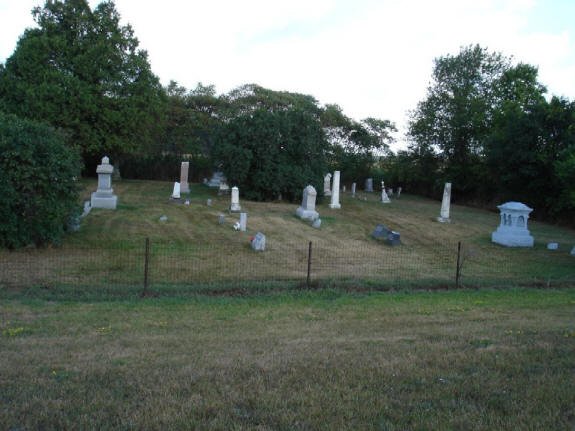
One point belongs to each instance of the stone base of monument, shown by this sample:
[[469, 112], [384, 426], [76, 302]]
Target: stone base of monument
[[235, 207], [504, 237], [304, 214], [103, 201], [443, 220], [335, 206]]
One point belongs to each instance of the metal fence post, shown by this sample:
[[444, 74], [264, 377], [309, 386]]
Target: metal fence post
[[146, 266], [308, 265], [458, 269]]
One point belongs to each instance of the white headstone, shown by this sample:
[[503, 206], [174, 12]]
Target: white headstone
[[384, 197], [552, 246], [353, 186], [307, 209], [445, 204], [512, 230], [369, 185], [327, 185], [235, 205], [259, 242], [335, 192], [243, 221], [176, 192], [184, 170], [104, 196], [317, 223], [398, 192]]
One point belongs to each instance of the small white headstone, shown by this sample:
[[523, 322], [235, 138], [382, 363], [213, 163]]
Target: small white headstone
[[221, 218], [327, 185], [552, 246], [259, 242], [235, 205], [445, 203], [243, 221], [209, 202], [335, 192], [307, 209], [176, 192], [316, 223], [164, 218], [353, 186], [384, 198]]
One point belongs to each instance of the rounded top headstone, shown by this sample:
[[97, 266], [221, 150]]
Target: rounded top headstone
[[105, 160], [514, 206]]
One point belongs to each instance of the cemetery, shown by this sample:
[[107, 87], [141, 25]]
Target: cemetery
[[206, 242]]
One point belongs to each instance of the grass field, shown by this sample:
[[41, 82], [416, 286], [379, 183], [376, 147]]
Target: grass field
[[462, 360], [191, 248]]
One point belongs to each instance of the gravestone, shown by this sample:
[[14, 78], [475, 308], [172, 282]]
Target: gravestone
[[327, 185], [390, 192], [258, 243], [353, 186], [216, 180], [369, 185], [235, 205], [552, 246], [316, 223], [335, 192], [87, 209], [243, 221], [398, 192], [184, 170], [384, 197], [389, 237], [445, 203], [73, 224], [221, 218], [176, 191], [209, 202], [512, 230], [104, 196], [163, 218], [343, 189], [307, 209], [223, 188]]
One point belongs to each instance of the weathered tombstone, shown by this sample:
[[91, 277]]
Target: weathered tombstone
[[259, 242], [369, 185], [235, 205], [512, 230], [223, 188], [243, 221], [398, 192], [307, 209], [104, 196], [217, 178], [327, 185], [87, 209], [209, 202], [353, 186], [184, 170], [221, 218], [384, 197], [390, 237], [316, 223], [552, 246], [176, 191], [335, 192], [445, 203]]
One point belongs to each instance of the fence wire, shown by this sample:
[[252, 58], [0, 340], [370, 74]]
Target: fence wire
[[176, 268]]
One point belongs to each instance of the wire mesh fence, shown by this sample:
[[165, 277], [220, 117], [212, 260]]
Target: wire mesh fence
[[175, 268]]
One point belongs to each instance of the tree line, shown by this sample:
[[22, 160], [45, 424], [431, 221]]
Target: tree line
[[486, 125]]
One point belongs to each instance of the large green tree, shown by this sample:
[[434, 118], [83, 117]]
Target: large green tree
[[269, 154], [82, 72]]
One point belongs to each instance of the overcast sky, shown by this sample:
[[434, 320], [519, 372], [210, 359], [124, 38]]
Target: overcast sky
[[372, 58]]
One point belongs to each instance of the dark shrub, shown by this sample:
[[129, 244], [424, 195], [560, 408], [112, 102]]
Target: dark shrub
[[38, 183]]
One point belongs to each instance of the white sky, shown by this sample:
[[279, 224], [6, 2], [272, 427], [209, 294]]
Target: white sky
[[373, 58]]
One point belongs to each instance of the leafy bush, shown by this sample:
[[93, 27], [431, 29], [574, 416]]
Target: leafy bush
[[268, 154], [38, 183]]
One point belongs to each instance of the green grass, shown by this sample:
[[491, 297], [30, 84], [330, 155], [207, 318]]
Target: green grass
[[475, 359]]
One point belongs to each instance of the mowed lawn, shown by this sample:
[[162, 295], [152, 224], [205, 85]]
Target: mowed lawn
[[324, 360]]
